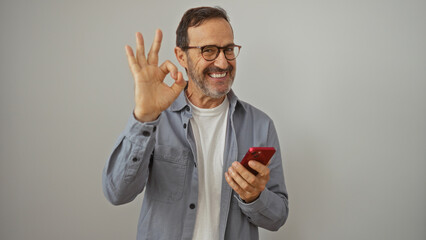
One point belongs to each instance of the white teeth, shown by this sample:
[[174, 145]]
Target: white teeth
[[217, 75]]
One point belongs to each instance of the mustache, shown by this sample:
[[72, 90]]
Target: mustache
[[216, 69]]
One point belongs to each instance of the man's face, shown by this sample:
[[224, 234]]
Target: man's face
[[213, 78]]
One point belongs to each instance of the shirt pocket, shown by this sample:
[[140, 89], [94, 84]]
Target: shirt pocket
[[168, 173]]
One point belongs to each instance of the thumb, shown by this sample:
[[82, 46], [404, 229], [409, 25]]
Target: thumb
[[179, 84]]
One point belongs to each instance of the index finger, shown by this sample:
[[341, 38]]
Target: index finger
[[262, 170], [246, 174]]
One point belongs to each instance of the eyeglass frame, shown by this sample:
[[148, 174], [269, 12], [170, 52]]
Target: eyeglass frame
[[218, 52]]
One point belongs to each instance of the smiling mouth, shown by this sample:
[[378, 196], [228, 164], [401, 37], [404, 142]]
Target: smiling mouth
[[218, 75]]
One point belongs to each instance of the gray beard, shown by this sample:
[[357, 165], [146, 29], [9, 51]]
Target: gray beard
[[206, 91], [201, 83]]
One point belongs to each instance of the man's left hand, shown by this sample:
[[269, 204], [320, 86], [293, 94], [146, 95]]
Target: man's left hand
[[244, 183]]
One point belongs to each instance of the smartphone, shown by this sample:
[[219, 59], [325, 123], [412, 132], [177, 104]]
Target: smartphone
[[260, 154]]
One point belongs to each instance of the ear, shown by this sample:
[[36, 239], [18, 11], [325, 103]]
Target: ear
[[181, 57]]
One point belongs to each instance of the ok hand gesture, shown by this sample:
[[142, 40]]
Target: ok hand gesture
[[152, 95]]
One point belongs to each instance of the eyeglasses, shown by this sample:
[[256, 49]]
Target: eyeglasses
[[211, 52]]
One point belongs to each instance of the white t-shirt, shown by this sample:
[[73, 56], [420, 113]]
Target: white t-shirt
[[209, 128]]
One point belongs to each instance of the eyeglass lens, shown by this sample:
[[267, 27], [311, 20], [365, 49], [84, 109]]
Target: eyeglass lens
[[212, 52]]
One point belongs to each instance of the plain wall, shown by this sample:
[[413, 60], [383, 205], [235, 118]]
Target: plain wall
[[344, 82]]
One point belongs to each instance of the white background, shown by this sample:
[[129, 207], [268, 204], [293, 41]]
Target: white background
[[344, 82]]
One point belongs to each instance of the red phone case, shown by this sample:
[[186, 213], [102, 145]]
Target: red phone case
[[260, 154]]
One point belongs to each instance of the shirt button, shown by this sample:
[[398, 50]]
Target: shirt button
[[146, 133], [154, 129], [184, 125], [191, 206], [134, 159]]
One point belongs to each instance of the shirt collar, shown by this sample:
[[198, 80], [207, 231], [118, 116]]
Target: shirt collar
[[181, 102]]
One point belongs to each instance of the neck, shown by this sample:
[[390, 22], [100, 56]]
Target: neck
[[199, 99]]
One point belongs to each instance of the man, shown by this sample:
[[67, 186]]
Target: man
[[182, 141]]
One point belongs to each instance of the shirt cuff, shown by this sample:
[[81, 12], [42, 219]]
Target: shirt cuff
[[138, 132], [257, 205]]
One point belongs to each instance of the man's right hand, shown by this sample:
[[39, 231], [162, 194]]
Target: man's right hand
[[152, 95]]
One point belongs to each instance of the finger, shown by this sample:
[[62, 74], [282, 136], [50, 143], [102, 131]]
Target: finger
[[246, 174], [169, 67], [259, 167], [155, 48], [234, 185], [242, 183], [140, 50], [179, 84], [133, 65]]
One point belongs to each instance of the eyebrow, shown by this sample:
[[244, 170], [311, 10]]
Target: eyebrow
[[227, 45]]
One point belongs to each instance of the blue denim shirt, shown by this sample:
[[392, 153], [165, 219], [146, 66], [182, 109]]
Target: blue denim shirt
[[161, 158]]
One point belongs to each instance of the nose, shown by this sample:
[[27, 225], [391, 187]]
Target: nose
[[221, 61]]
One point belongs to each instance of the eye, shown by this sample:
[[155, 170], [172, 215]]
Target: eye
[[230, 50], [209, 50]]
